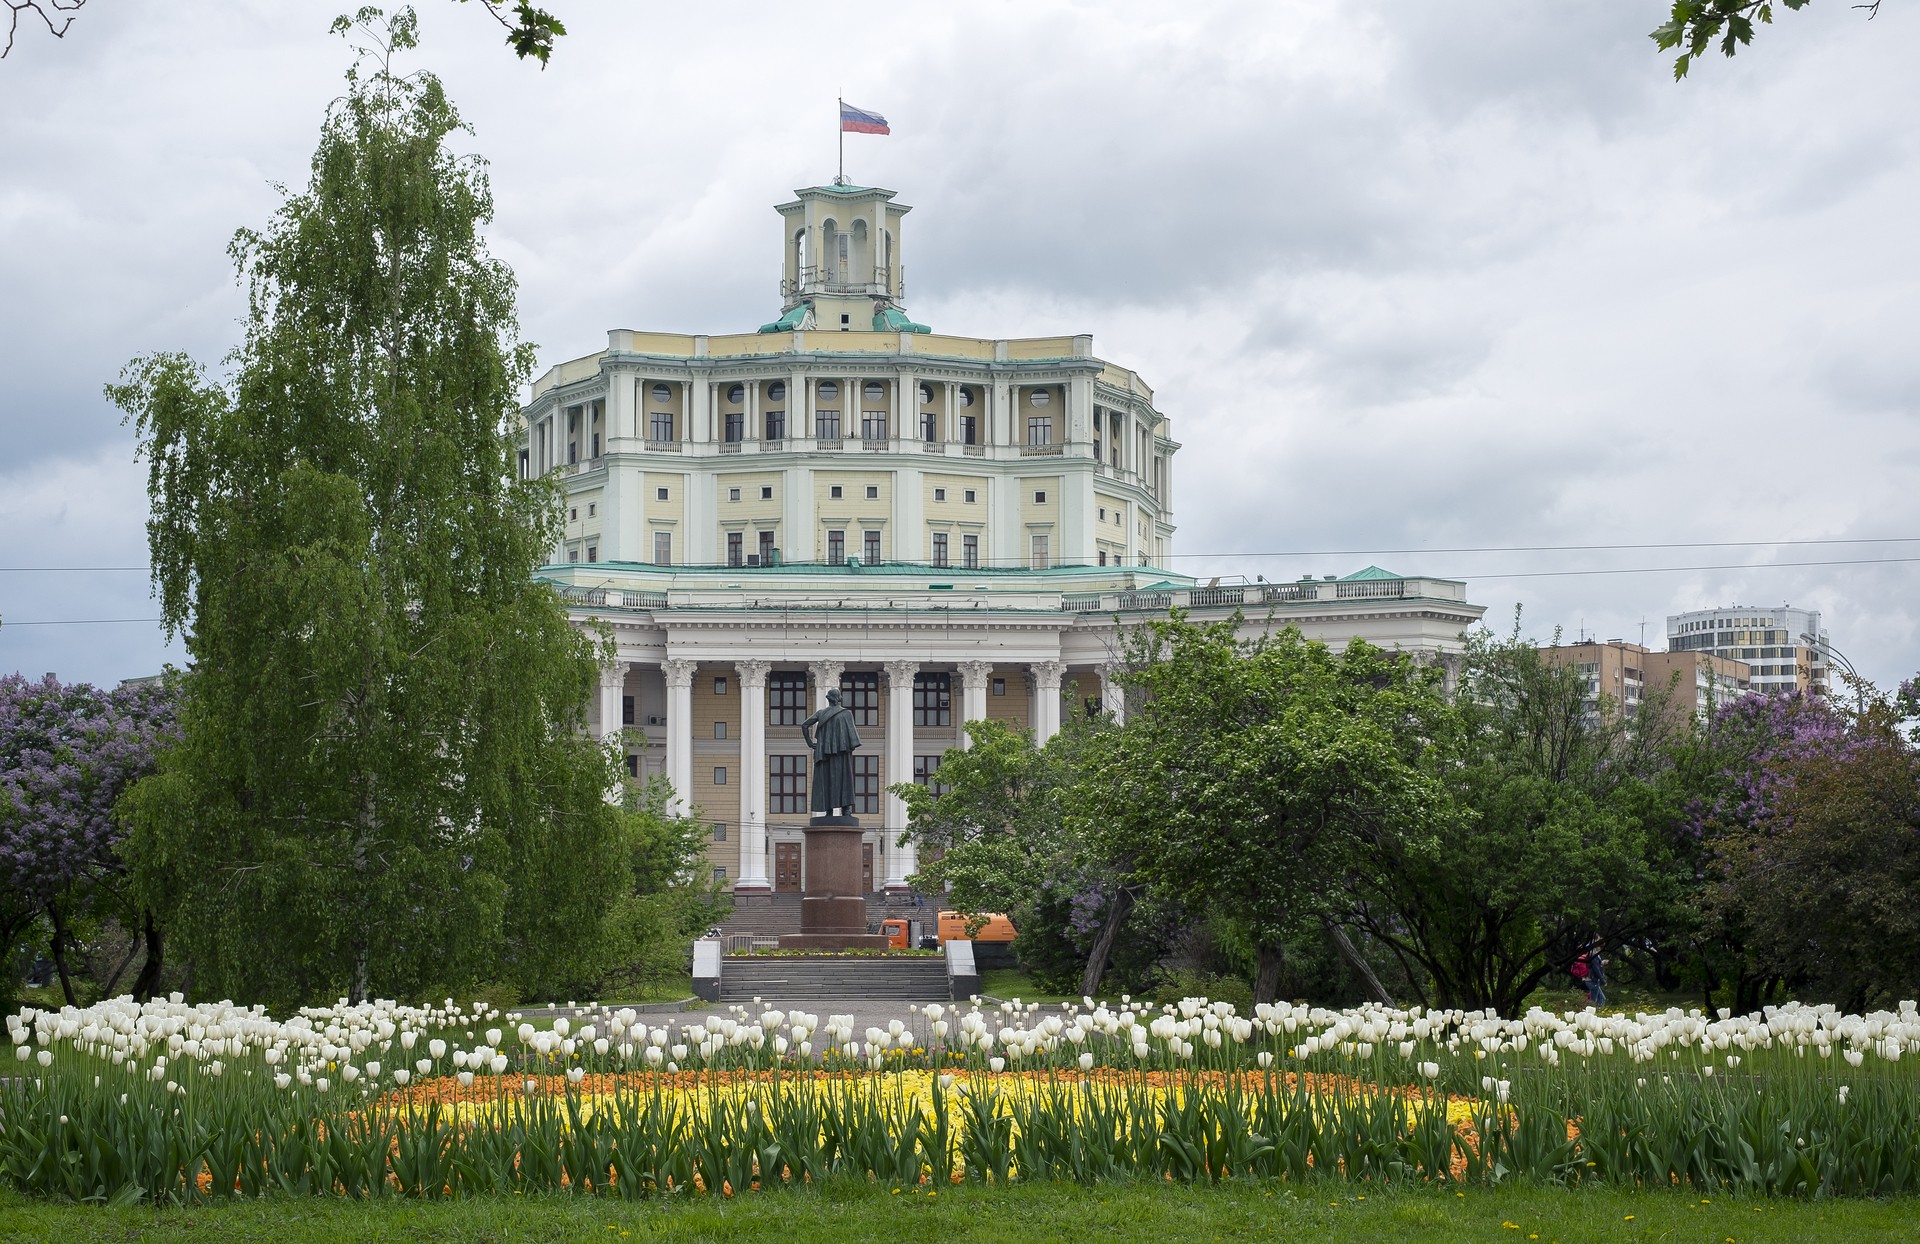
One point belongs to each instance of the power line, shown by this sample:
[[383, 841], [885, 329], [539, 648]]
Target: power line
[[8, 622]]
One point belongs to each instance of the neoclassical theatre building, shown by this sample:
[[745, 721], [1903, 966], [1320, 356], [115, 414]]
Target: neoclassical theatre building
[[945, 528]]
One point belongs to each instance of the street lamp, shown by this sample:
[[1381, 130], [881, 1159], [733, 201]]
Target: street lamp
[[1834, 656]]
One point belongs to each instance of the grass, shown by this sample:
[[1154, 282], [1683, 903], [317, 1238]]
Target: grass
[[852, 1214], [1012, 983]]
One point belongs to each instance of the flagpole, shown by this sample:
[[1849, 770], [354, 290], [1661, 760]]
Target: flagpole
[[840, 124]]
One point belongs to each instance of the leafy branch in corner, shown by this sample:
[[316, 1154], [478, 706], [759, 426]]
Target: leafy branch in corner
[[51, 14], [1695, 25]]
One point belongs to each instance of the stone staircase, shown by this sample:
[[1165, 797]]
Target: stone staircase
[[780, 980], [766, 918]]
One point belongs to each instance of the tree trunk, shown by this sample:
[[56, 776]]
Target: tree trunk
[[147, 984], [1344, 945], [1123, 902], [133, 948], [60, 953], [1266, 972]]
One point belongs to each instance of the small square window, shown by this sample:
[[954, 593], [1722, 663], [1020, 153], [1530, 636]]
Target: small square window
[[719, 686], [733, 494], [766, 492], [846, 319], [719, 729], [659, 494], [939, 494], [873, 492], [999, 686], [719, 873], [834, 492], [720, 775], [1039, 498], [968, 496]]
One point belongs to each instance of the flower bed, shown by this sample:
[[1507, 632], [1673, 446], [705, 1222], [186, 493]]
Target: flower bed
[[169, 1101]]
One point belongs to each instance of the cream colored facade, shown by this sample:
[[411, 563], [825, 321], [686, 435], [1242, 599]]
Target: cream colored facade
[[948, 528]]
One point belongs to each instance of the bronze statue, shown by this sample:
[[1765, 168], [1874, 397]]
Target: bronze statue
[[833, 750]]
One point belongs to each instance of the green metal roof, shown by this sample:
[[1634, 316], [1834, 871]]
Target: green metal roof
[[790, 321], [894, 320], [1371, 572]]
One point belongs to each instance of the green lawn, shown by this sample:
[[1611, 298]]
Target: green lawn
[[851, 1214]]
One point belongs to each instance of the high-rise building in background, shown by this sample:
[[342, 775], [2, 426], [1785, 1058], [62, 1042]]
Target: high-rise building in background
[[1785, 647], [1621, 677]]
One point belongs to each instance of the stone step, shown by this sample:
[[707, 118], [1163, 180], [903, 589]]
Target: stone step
[[796, 979]]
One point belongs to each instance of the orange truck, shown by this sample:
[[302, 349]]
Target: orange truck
[[953, 925]]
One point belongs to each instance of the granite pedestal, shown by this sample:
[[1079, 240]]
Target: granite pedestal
[[833, 909]]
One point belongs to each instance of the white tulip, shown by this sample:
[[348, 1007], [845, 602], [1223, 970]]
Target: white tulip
[[437, 1048]]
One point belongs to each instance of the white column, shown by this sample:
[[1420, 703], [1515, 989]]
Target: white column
[[826, 677], [679, 676], [613, 682], [753, 778], [1046, 699], [900, 861], [1113, 697], [973, 694]]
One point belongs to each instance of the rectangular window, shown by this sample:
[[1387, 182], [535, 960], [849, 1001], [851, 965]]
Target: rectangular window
[[873, 492], [736, 428], [720, 775], [660, 425], [663, 548], [933, 699], [968, 424], [1103, 557], [776, 425], [826, 425], [939, 494], [835, 492], [766, 492], [719, 874], [969, 496], [573, 451], [719, 729], [1038, 561], [1040, 429], [633, 765], [861, 693], [929, 427], [719, 686], [596, 444], [719, 831], [626, 710], [659, 494], [787, 697], [1039, 498], [924, 768], [766, 548], [786, 784], [733, 494], [836, 548], [593, 552], [999, 686], [736, 548], [866, 784], [872, 547], [940, 548], [873, 425], [970, 552]]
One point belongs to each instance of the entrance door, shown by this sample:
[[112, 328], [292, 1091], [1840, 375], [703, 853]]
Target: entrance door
[[786, 868], [866, 867]]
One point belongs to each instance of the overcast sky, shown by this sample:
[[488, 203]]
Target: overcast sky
[[1405, 275]]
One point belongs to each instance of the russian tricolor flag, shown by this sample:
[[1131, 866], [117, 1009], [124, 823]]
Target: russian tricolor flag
[[859, 121]]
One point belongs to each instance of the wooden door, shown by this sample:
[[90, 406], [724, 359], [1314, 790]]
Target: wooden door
[[786, 868], [866, 868]]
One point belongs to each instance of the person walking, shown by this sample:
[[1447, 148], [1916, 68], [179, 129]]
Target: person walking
[[1596, 977]]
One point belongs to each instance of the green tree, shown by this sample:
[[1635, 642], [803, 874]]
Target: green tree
[[1694, 26], [1255, 774], [382, 783], [1561, 843], [670, 902]]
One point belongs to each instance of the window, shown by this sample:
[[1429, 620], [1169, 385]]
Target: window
[[933, 699], [663, 548], [827, 391], [719, 729], [786, 784], [661, 393], [866, 784], [573, 514], [719, 686], [826, 424], [1039, 430], [940, 548], [924, 767], [596, 444], [836, 547], [1038, 560], [736, 394], [873, 425], [929, 427], [720, 775], [777, 391], [659, 494], [1103, 513], [736, 549], [787, 697], [573, 451], [1039, 498], [873, 492], [719, 831], [968, 425], [870, 551], [592, 509], [860, 690], [926, 395], [766, 492], [733, 494], [939, 494], [719, 874], [968, 496], [766, 548], [776, 425], [736, 428], [626, 710], [970, 552], [593, 552], [633, 765], [1039, 397], [834, 492], [999, 686], [873, 391], [966, 396]]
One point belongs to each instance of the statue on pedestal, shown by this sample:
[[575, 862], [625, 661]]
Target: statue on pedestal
[[833, 746]]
